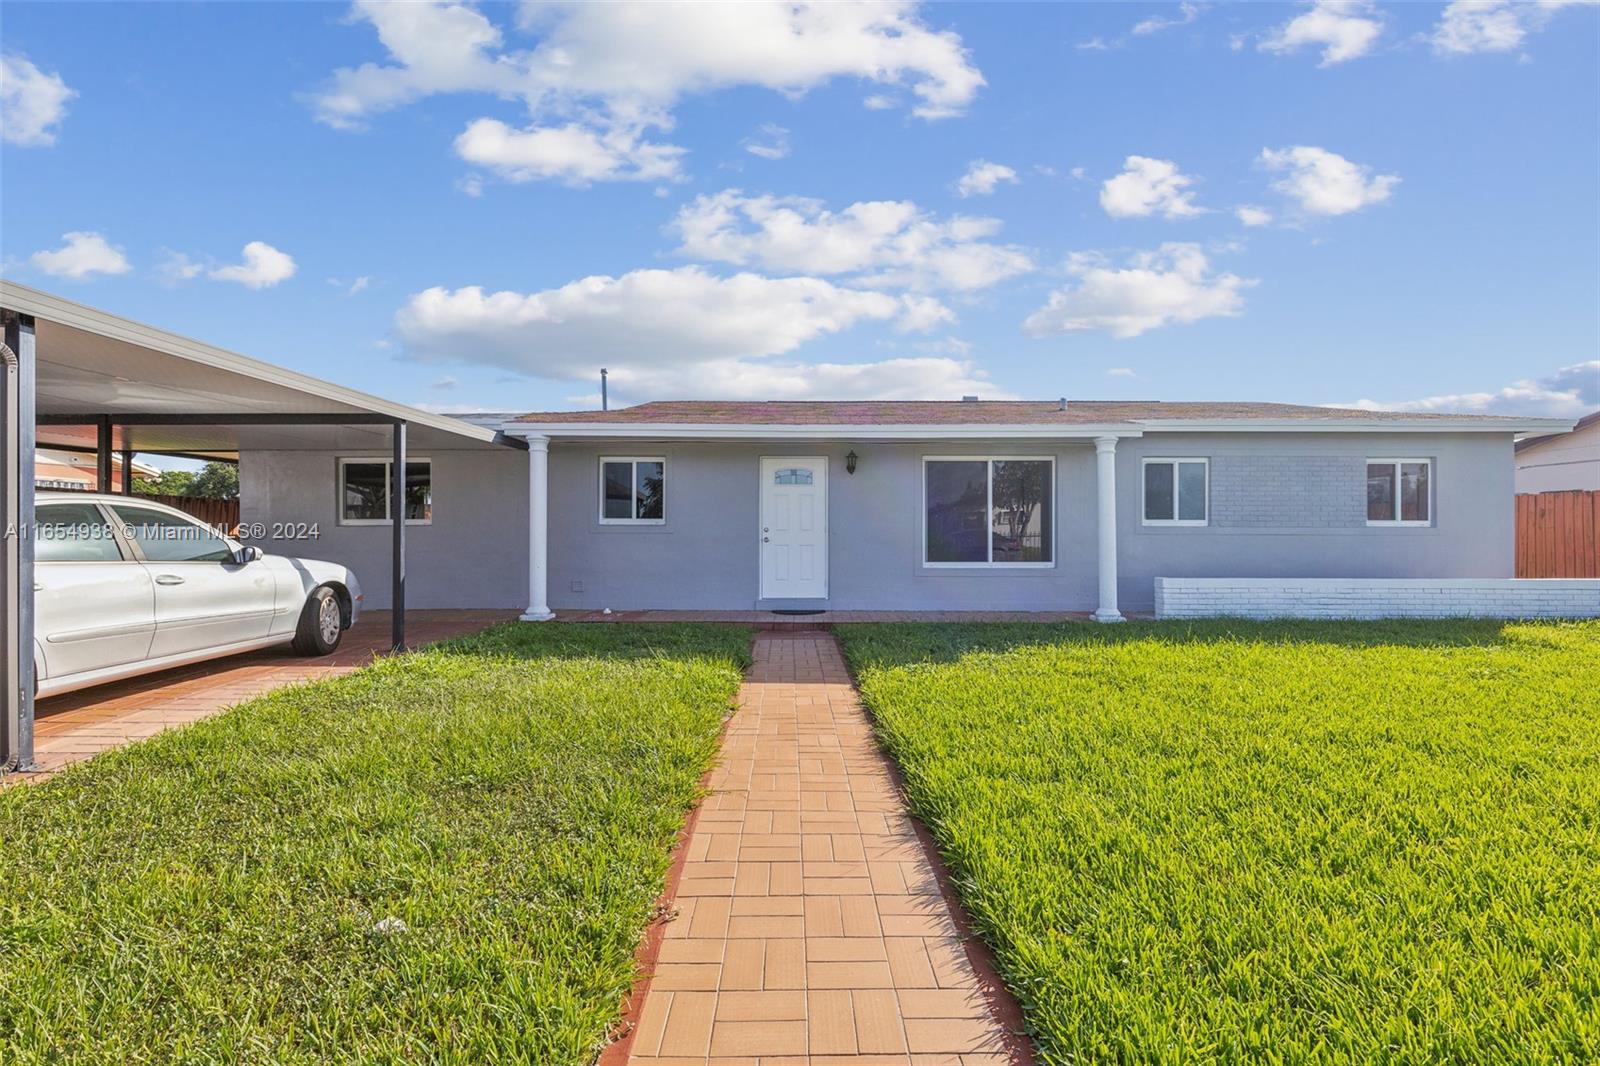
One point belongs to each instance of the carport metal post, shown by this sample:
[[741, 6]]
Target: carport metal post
[[397, 516], [127, 466], [102, 454], [16, 571]]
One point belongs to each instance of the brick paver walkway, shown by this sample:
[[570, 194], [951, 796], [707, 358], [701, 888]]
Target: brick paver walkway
[[811, 927]]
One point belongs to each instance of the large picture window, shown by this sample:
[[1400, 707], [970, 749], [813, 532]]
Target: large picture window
[[633, 490], [1399, 492], [364, 492], [1176, 491], [989, 511]]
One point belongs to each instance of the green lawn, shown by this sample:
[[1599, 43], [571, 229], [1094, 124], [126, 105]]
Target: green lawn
[[1285, 843], [447, 857]]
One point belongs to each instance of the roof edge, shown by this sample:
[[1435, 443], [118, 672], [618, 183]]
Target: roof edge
[[40, 304]]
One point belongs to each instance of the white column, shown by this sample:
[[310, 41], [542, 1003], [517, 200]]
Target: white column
[[1105, 460], [538, 530]]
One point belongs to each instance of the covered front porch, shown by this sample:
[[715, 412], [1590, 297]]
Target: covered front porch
[[824, 523]]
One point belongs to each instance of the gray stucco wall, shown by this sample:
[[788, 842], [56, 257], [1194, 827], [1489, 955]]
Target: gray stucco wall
[[473, 554], [1322, 531], [1286, 505], [1283, 505]]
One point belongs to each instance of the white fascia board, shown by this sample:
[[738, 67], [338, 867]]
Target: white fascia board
[[1300, 425], [723, 431], [39, 304]]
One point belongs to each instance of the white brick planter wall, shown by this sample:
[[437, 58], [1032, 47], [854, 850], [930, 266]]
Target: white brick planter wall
[[1271, 597]]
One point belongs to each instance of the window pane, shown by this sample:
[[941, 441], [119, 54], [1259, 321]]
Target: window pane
[[650, 483], [957, 496], [419, 492], [1158, 496], [1414, 492], [1020, 522], [366, 490], [619, 490], [792, 475], [170, 538], [1192, 492], [1380, 492], [74, 533]]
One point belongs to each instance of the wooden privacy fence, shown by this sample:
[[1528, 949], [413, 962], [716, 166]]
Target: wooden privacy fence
[[224, 514], [1558, 534]]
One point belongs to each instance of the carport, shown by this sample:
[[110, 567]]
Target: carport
[[76, 378]]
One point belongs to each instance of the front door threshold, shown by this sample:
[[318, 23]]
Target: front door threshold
[[792, 605]]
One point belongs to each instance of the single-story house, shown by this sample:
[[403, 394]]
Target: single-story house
[[1560, 461], [960, 505]]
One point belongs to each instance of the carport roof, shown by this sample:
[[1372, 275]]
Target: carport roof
[[93, 363]]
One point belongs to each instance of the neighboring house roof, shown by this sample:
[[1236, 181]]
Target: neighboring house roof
[[1018, 413], [1583, 423]]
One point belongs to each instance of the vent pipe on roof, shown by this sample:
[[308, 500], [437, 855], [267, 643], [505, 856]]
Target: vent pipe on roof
[[1063, 406], [969, 399], [604, 402]]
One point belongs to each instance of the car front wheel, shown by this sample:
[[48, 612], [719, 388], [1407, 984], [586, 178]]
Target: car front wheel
[[321, 624]]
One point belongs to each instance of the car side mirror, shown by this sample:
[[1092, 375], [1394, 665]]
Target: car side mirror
[[247, 554]]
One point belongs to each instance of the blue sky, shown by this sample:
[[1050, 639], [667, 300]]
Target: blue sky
[[1306, 203]]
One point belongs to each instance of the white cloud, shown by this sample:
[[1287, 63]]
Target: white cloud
[[1345, 29], [176, 266], [982, 177], [83, 254], [1187, 13], [1146, 187], [572, 153], [1570, 392], [771, 142], [887, 243], [263, 266], [613, 72], [681, 332], [663, 317], [1174, 284], [352, 287], [1325, 183], [1471, 26], [1251, 215], [1093, 44], [1120, 372], [31, 102]]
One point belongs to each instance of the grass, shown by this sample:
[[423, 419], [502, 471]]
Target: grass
[[1282, 843], [445, 857]]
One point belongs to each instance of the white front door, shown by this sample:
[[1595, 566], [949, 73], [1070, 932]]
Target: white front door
[[794, 527]]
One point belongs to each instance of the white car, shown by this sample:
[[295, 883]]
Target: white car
[[124, 586]]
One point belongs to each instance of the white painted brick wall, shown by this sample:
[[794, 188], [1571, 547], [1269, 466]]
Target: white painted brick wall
[[1255, 597]]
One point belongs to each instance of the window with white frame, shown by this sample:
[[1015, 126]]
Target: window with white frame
[[1176, 492], [364, 492], [633, 490], [988, 511], [1399, 492]]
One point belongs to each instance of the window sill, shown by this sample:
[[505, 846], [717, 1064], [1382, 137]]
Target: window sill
[[988, 566], [356, 522]]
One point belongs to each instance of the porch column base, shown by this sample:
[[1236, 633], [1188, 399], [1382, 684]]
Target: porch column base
[[537, 616], [1107, 616]]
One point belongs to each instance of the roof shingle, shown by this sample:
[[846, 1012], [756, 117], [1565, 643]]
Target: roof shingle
[[967, 412]]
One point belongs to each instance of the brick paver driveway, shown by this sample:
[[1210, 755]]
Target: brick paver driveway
[[811, 927]]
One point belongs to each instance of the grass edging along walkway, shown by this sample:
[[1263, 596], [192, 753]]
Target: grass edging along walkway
[[447, 856], [1311, 842]]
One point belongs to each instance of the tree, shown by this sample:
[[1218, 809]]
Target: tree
[[170, 483], [216, 481]]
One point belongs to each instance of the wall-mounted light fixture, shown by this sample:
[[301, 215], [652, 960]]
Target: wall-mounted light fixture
[[850, 463]]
